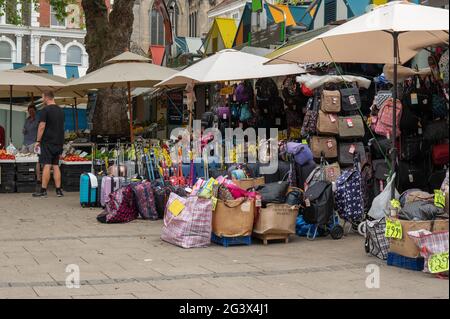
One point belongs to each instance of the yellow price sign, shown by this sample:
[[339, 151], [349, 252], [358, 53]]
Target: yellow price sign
[[214, 203], [176, 207], [393, 229], [229, 90], [305, 142], [439, 198], [395, 203], [438, 263]]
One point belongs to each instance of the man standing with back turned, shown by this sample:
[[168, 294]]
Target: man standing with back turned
[[50, 141]]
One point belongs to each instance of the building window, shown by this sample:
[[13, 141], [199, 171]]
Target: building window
[[5, 52], [174, 12], [74, 54], [330, 11], [53, 54], [54, 22], [193, 25], [156, 28]]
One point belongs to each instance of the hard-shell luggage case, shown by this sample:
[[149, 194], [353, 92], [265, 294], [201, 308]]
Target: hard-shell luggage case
[[88, 194], [109, 184]]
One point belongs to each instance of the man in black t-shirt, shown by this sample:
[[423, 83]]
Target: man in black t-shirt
[[50, 141]]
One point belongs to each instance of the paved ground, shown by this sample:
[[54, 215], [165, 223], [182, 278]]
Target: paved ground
[[40, 238]]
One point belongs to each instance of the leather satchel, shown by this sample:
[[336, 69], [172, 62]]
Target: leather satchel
[[351, 127], [330, 101], [324, 145], [327, 123], [347, 152], [350, 99]]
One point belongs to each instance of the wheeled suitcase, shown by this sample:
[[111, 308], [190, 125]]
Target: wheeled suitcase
[[109, 184], [88, 194]]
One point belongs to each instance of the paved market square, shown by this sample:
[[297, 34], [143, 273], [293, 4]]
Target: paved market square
[[39, 238]]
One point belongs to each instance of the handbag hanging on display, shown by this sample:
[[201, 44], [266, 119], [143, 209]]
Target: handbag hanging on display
[[351, 127], [324, 146], [327, 123], [347, 152], [351, 100], [330, 101]]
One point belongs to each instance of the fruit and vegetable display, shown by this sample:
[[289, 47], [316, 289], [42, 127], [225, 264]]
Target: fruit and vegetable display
[[75, 158], [4, 156]]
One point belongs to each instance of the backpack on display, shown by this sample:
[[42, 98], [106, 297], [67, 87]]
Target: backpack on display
[[266, 89], [330, 101], [383, 125], [224, 113], [439, 106], [309, 126], [350, 99], [411, 147], [327, 123], [351, 127], [440, 154], [435, 132], [208, 119], [409, 122], [410, 176], [242, 93], [245, 113], [324, 146]]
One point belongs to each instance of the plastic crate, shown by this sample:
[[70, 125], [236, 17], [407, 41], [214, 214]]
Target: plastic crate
[[416, 264], [8, 187], [26, 167], [231, 241], [26, 187], [26, 177]]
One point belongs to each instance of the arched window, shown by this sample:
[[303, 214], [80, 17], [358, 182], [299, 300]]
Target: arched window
[[74, 55], [156, 28], [5, 52], [53, 54], [174, 12]]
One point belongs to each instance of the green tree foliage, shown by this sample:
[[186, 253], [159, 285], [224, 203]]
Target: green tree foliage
[[15, 17]]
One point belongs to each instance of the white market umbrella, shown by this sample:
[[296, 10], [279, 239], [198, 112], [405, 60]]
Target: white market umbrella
[[229, 65], [390, 34], [17, 81], [124, 71]]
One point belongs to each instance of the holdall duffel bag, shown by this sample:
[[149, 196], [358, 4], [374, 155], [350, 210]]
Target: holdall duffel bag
[[351, 127], [319, 203], [411, 147], [324, 145], [330, 101], [347, 152], [350, 99], [273, 193], [234, 218], [327, 123]]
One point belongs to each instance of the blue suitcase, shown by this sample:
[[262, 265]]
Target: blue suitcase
[[88, 195]]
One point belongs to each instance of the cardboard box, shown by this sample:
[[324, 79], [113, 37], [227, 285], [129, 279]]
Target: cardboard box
[[249, 182], [234, 218], [276, 219], [406, 246]]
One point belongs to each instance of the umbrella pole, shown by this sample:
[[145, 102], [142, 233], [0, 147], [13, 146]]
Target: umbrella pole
[[130, 112], [76, 116], [394, 115], [10, 111], [73, 117]]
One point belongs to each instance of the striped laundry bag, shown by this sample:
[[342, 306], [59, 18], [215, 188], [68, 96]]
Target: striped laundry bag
[[188, 221], [431, 244]]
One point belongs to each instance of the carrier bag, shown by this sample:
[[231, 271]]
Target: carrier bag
[[234, 218], [381, 203], [120, 207], [187, 221], [145, 200], [430, 244], [324, 146], [376, 242]]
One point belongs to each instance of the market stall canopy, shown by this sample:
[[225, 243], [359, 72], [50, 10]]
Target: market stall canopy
[[127, 68], [26, 82], [403, 72], [368, 38], [230, 65], [315, 81]]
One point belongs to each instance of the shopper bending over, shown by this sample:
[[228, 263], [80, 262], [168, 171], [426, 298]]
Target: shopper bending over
[[50, 141]]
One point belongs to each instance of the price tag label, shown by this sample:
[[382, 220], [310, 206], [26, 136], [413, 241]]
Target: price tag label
[[266, 111], [350, 123], [176, 207], [393, 229], [307, 202], [277, 121], [414, 99], [395, 203], [352, 149], [438, 263], [332, 118], [224, 116], [305, 142], [352, 100], [330, 144], [214, 203], [439, 198]]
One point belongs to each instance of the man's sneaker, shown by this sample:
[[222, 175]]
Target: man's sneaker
[[59, 193], [40, 194]]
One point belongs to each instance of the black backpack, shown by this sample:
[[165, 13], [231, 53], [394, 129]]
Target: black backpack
[[319, 203], [207, 119], [266, 88]]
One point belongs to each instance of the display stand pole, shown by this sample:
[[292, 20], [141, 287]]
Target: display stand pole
[[10, 112], [76, 116], [394, 115], [130, 112]]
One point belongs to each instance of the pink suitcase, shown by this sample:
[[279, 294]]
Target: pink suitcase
[[109, 185]]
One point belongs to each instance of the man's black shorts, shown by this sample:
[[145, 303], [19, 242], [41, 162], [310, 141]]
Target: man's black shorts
[[50, 154]]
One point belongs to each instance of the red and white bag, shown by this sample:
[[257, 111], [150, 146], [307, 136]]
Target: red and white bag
[[188, 221], [383, 125]]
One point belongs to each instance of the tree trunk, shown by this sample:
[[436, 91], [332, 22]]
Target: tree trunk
[[108, 35]]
